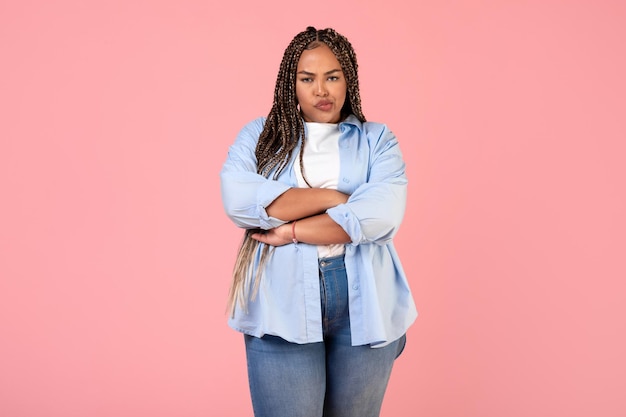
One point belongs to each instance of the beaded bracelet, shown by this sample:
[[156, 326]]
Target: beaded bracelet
[[293, 232]]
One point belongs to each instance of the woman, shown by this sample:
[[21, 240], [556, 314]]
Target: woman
[[318, 289]]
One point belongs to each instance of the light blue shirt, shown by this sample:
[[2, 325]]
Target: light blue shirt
[[288, 305]]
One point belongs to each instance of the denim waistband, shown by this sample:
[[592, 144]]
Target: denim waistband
[[332, 262]]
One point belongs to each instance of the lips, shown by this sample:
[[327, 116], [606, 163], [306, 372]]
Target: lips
[[324, 105]]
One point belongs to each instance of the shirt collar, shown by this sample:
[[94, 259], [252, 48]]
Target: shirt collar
[[352, 121]]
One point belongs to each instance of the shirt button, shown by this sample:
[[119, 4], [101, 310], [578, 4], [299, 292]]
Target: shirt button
[[323, 263], [355, 287]]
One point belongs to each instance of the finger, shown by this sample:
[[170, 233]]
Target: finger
[[258, 236]]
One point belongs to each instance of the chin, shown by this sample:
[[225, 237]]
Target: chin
[[322, 118], [330, 119]]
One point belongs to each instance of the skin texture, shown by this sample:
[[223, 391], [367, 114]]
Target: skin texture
[[321, 93]]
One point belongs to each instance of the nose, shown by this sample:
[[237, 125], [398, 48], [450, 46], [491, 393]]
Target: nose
[[321, 89]]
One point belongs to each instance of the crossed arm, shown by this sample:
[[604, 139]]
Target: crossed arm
[[305, 206], [370, 214]]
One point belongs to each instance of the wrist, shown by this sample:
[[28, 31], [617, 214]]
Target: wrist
[[341, 198], [293, 237]]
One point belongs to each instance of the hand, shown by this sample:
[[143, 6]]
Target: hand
[[277, 236]]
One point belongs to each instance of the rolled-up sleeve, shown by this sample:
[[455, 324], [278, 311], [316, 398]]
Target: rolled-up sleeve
[[375, 210], [246, 194]]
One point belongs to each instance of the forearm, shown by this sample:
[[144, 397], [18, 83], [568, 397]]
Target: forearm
[[315, 230], [298, 203], [319, 230]]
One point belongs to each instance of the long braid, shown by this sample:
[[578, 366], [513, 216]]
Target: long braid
[[282, 133]]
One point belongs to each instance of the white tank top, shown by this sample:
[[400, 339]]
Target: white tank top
[[321, 167]]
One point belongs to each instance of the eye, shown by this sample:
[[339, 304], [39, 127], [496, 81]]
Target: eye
[[333, 78], [306, 80]]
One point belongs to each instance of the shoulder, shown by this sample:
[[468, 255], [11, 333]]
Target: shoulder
[[249, 133], [373, 131], [255, 125], [376, 137]]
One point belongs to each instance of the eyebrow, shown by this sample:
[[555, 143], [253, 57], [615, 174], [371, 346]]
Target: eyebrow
[[326, 73]]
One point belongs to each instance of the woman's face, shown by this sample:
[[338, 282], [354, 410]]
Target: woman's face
[[320, 85]]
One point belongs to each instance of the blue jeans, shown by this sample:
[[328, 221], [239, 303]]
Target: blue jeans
[[327, 379]]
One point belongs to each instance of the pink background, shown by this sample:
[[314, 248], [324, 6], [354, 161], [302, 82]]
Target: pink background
[[115, 254]]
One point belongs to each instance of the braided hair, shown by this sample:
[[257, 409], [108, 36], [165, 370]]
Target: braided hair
[[283, 132]]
